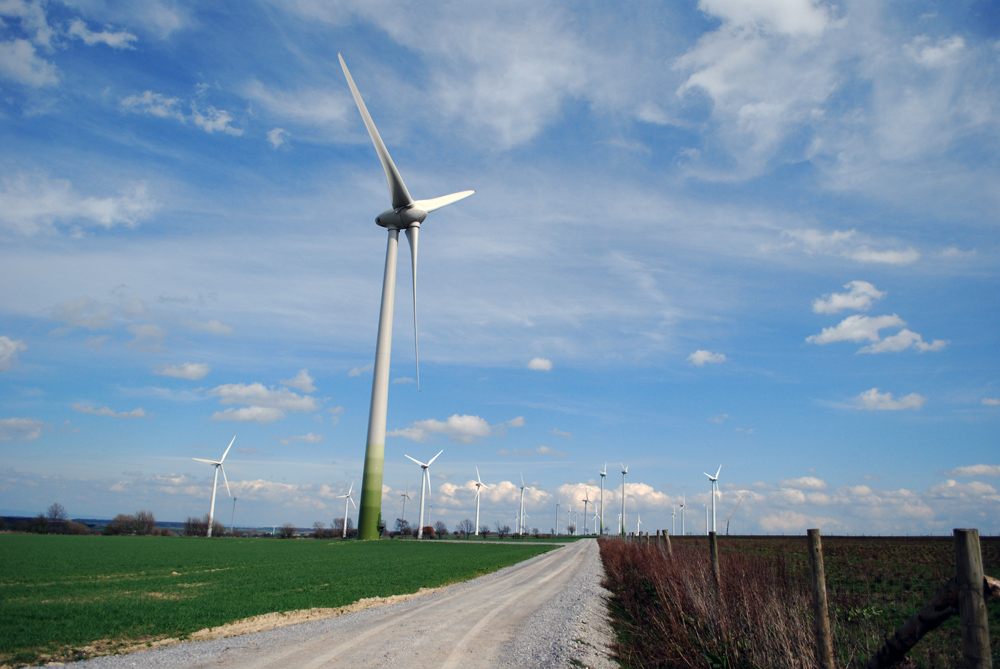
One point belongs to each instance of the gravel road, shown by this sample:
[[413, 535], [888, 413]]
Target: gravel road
[[548, 611]]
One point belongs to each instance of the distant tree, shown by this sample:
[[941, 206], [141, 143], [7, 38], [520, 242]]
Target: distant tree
[[440, 528], [218, 529], [534, 532], [57, 517], [40, 525], [502, 530], [196, 527], [123, 524], [319, 530], [338, 527], [403, 526], [286, 531], [145, 523], [571, 528], [484, 530], [465, 528]]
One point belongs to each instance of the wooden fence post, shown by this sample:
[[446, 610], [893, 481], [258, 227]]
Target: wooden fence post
[[971, 603], [713, 543], [821, 613], [670, 549]]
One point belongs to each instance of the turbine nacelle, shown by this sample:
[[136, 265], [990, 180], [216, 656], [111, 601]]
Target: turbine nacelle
[[402, 218]]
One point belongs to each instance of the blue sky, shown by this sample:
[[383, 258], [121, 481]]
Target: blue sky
[[762, 235]]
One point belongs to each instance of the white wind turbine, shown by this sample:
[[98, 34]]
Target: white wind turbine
[[479, 488], [683, 504], [425, 482], [586, 501], [715, 491], [405, 496], [520, 513], [215, 485], [405, 214], [348, 500], [673, 521], [638, 524], [622, 521], [604, 472]]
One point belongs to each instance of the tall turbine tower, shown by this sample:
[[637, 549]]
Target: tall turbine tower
[[215, 485], [479, 488], [425, 484], [604, 472], [715, 491], [520, 512], [406, 214], [624, 472], [586, 501], [673, 521], [683, 504]]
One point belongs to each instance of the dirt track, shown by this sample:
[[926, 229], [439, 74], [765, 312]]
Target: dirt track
[[520, 616]]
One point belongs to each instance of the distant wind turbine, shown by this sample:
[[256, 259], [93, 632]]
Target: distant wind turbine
[[232, 521], [624, 472], [683, 504], [520, 512], [479, 488], [738, 502], [405, 496], [638, 524], [405, 214], [604, 472], [348, 500], [673, 521], [586, 501], [715, 491], [215, 485], [425, 483], [557, 518]]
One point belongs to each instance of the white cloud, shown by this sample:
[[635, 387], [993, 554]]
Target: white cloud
[[788, 522], [403, 379], [786, 17], [947, 51], [560, 433], [702, 357], [84, 312], [991, 401], [277, 137], [335, 414], [31, 204], [358, 371], [804, 483], [191, 371], [106, 411], [859, 297], [545, 450], [972, 490], [301, 381], [9, 348], [20, 63], [116, 40], [162, 106], [540, 364], [516, 422], [211, 326], [262, 415], [873, 400], [256, 394], [214, 120], [903, 340], [20, 429], [857, 328], [971, 471], [846, 244], [308, 438], [460, 429], [148, 337]]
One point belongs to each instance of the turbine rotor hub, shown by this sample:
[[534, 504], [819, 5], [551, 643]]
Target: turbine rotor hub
[[401, 218]]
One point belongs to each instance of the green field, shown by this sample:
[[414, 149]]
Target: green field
[[59, 593]]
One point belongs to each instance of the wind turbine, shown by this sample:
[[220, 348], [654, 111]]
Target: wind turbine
[[520, 513], [586, 501], [557, 519], [348, 501], [673, 521], [624, 472], [604, 472], [425, 482], [479, 488], [733, 513], [706, 518], [405, 496], [683, 504], [215, 485], [405, 214], [638, 523], [232, 521], [715, 491]]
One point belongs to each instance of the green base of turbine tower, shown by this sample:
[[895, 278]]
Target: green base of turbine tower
[[370, 510]]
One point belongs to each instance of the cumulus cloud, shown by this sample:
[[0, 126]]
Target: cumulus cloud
[[991, 401], [21, 429], [106, 411], [262, 415], [788, 522], [859, 297], [277, 137], [33, 203], [701, 357], [192, 371], [358, 371], [540, 364], [301, 381], [20, 63], [116, 40], [211, 326], [971, 471], [9, 348], [463, 429], [857, 328], [265, 405], [973, 490], [873, 400], [903, 340], [148, 337], [163, 106], [804, 483]]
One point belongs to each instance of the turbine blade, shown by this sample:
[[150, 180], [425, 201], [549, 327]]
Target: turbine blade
[[211, 462], [397, 189], [435, 457], [351, 500], [351, 489], [227, 451], [717, 473], [477, 476], [427, 475], [411, 237], [415, 460], [443, 201], [225, 479]]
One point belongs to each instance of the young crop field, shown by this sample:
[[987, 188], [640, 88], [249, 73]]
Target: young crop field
[[61, 593], [667, 612]]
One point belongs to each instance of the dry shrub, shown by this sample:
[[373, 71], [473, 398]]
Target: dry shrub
[[668, 611]]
